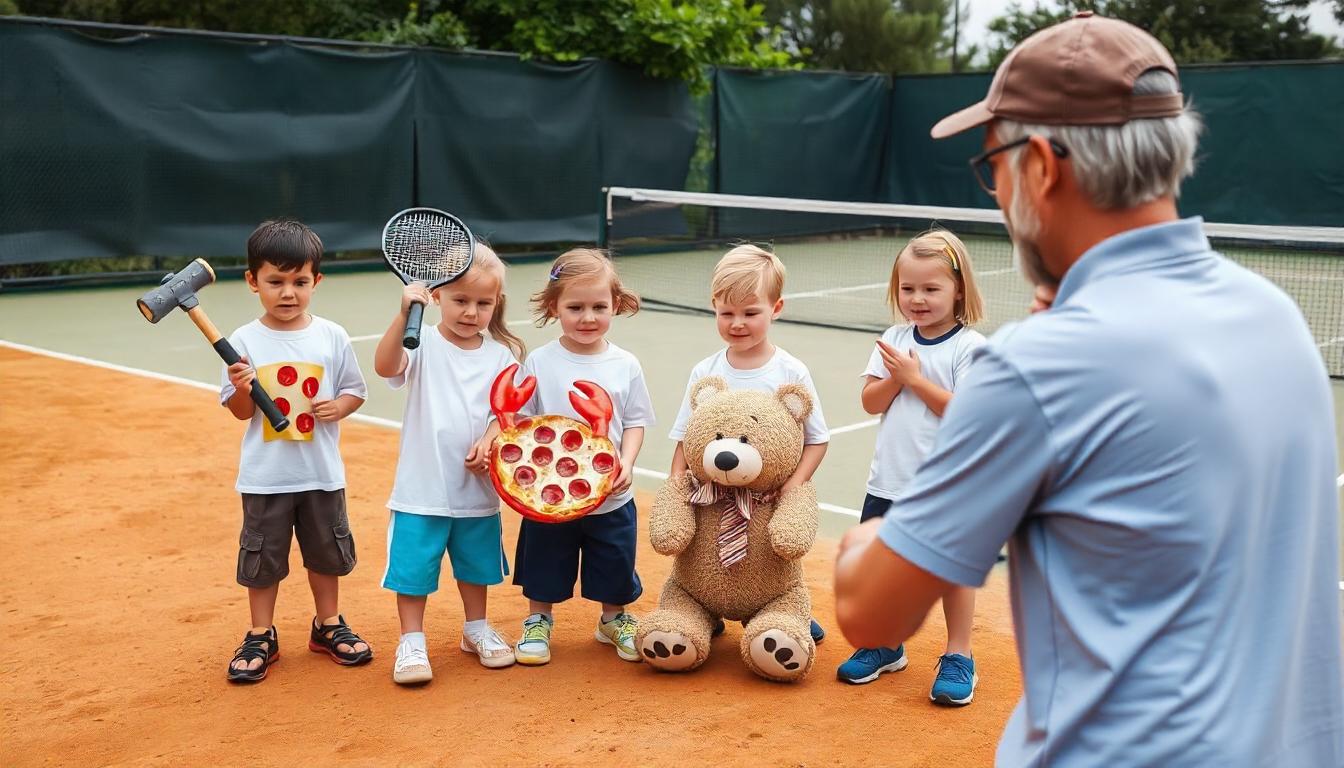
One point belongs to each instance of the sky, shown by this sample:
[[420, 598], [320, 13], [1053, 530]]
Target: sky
[[975, 28]]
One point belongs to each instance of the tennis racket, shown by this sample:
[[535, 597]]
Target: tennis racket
[[426, 246]]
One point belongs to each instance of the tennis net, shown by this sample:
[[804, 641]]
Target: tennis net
[[839, 256]]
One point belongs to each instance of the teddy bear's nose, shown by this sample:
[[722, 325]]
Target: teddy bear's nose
[[725, 461]]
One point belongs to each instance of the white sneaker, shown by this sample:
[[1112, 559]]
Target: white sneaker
[[411, 666], [493, 650]]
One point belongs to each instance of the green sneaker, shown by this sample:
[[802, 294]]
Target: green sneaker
[[534, 647], [619, 632]]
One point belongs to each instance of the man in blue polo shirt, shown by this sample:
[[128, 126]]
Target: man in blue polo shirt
[[1155, 448]]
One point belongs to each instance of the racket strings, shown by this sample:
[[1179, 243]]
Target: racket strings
[[427, 248]]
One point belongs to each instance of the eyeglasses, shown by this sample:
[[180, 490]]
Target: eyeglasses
[[984, 171]]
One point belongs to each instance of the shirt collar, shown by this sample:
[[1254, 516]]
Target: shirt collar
[[1137, 249]]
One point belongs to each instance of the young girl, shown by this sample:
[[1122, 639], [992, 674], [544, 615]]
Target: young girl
[[442, 499], [583, 293], [909, 381]]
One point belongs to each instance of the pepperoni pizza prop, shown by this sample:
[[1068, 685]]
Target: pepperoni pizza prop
[[552, 469], [292, 386]]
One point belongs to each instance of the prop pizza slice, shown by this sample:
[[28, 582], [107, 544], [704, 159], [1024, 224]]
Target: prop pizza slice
[[552, 468], [292, 386]]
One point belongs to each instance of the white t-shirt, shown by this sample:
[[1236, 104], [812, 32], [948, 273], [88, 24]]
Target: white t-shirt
[[905, 435], [782, 368], [323, 351], [615, 370], [447, 411]]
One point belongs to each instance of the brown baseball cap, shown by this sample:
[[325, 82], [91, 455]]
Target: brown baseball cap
[[1077, 72]]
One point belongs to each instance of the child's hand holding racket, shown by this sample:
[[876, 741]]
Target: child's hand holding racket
[[241, 376], [903, 367], [415, 293]]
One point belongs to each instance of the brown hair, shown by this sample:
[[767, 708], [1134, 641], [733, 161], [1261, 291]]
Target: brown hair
[[579, 265], [746, 271], [485, 260], [286, 244], [943, 246]]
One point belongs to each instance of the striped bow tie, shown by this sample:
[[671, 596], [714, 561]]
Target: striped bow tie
[[737, 506]]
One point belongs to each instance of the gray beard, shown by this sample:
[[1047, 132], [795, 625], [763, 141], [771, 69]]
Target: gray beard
[[1026, 257]]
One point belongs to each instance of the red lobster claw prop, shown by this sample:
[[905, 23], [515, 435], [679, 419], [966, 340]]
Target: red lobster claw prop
[[595, 408], [506, 399]]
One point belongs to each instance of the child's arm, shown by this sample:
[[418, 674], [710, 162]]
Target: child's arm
[[389, 359], [878, 393], [347, 382], [478, 458], [679, 465], [807, 465], [904, 369], [632, 439], [241, 376]]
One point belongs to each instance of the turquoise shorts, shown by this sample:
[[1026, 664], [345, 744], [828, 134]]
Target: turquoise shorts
[[416, 543]]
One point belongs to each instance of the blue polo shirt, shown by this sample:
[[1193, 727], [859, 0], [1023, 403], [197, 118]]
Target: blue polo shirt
[[1157, 450]]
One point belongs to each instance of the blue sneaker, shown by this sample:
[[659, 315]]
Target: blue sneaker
[[868, 663], [955, 684], [818, 634]]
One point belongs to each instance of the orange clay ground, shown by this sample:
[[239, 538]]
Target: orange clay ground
[[120, 612]]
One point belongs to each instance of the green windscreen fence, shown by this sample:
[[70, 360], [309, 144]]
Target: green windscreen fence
[[159, 144]]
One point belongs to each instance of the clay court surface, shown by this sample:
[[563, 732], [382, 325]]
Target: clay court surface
[[120, 614]]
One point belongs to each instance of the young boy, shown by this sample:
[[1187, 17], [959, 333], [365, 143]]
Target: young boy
[[292, 482], [746, 294]]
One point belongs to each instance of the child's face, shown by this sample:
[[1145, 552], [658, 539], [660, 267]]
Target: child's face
[[746, 325], [284, 295], [926, 294], [468, 304], [584, 310]]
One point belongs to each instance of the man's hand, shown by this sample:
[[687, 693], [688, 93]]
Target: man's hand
[[1042, 298]]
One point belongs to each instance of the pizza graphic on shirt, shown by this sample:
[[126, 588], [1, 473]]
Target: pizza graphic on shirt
[[552, 468], [292, 386]]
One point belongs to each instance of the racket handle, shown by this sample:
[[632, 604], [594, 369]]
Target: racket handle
[[268, 407], [410, 338]]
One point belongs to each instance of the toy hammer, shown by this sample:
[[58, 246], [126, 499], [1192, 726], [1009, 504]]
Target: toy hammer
[[179, 290]]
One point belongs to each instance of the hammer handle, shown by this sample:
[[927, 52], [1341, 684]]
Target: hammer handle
[[230, 356]]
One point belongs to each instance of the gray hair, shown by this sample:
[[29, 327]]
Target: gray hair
[[1122, 166]]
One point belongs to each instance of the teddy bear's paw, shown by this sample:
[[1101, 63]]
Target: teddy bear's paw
[[668, 651], [777, 655]]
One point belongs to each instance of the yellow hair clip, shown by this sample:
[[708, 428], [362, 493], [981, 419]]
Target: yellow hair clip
[[951, 254]]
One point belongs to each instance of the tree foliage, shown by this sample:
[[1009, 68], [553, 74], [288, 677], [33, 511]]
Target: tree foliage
[[1195, 31], [889, 36]]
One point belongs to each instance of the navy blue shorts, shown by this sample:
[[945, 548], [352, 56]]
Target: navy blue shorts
[[548, 558], [873, 506]]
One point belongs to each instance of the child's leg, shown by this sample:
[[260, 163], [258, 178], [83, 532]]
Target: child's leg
[[261, 603], [959, 611], [411, 612], [473, 600], [263, 562], [476, 550], [326, 598], [609, 576]]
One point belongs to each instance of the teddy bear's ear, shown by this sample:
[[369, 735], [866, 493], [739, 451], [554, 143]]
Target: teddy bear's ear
[[796, 399], [704, 389]]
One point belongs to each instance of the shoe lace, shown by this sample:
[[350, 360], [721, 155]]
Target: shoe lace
[[410, 656], [535, 630], [490, 641], [954, 668], [626, 626]]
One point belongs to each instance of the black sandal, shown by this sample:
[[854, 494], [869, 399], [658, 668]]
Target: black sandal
[[341, 634], [265, 647]]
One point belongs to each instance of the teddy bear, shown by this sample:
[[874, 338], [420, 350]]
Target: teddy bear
[[738, 541]]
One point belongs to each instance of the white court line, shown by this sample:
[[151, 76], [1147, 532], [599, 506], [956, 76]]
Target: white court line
[[856, 426], [871, 286], [1332, 342], [359, 417]]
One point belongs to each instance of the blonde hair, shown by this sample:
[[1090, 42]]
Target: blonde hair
[[745, 272], [579, 265], [945, 247], [485, 261]]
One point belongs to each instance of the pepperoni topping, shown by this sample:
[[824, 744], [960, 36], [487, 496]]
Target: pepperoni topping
[[283, 405], [552, 494], [510, 453], [310, 387], [304, 422], [525, 475], [544, 434], [604, 463], [572, 440], [541, 456], [286, 376], [566, 467], [523, 425], [579, 488]]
